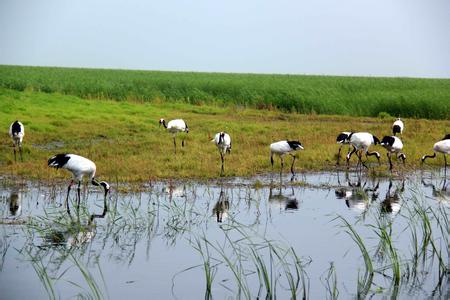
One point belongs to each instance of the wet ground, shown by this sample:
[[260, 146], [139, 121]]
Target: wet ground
[[319, 235]]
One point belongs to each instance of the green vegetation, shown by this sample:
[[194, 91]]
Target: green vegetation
[[355, 96], [124, 139]]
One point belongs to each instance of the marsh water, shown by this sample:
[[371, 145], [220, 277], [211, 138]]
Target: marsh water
[[317, 235]]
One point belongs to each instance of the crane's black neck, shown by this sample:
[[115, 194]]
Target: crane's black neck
[[103, 184], [428, 156]]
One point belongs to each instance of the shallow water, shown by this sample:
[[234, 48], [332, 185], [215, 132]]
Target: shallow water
[[151, 243]]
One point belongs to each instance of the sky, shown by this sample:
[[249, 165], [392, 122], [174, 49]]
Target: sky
[[323, 37]]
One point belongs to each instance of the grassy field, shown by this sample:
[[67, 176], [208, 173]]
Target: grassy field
[[124, 139], [354, 96]]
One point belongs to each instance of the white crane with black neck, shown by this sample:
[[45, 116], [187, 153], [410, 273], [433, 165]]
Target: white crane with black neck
[[393, 145], [398, 127], [223, 144], [282, 148], [80, 167], [361, 141], [442, 146], [175, 126], [17, 132]]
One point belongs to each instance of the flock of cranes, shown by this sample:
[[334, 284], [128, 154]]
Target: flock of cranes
[[360, 142]]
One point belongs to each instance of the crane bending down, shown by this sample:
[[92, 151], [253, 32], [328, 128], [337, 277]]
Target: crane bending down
[[175, 126], [17, 132], [393, 145], [223, 143], [442, 146], [284, 147], [80, 167], [361, 142]]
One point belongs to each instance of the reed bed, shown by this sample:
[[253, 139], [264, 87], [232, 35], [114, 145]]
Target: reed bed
[[353, 96]]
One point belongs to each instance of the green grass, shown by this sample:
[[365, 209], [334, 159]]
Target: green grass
[[336, 95], [124, 139]]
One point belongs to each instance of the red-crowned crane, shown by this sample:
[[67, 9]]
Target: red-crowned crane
[[342, 139], [284, 147], [393, 145], [223, 143], [397, 127], [17, 132], [79, 167], [361, 142], [175, 126], [443, 146]]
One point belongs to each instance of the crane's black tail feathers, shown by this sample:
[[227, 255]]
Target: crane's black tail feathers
[[395, 129], [58, 161]]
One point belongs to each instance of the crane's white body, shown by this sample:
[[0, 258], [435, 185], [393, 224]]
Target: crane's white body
[[398, 126], [78, 165], [442, 146], [222, 141], [17, 135], [394, 144], [361, 140], [17, 132], [283, 147], [177, 125]]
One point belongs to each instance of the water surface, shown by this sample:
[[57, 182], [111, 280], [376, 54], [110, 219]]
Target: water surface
[[157, 242]]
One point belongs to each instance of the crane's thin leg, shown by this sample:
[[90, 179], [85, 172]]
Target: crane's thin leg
[[390, 161], [282, 165], [221, 157], [175, 145], [182, 142], [292, 166], [350, 155], [79, 194], [358, 165], [338, 156], [15, 158], [363, 164], [67, 197], [20, 152], [271, 160], [445, 165]]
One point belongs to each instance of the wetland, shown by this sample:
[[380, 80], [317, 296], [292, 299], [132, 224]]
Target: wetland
[[316, 235]]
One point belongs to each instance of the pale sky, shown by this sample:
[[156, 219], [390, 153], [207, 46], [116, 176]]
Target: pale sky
[[325, 37]]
